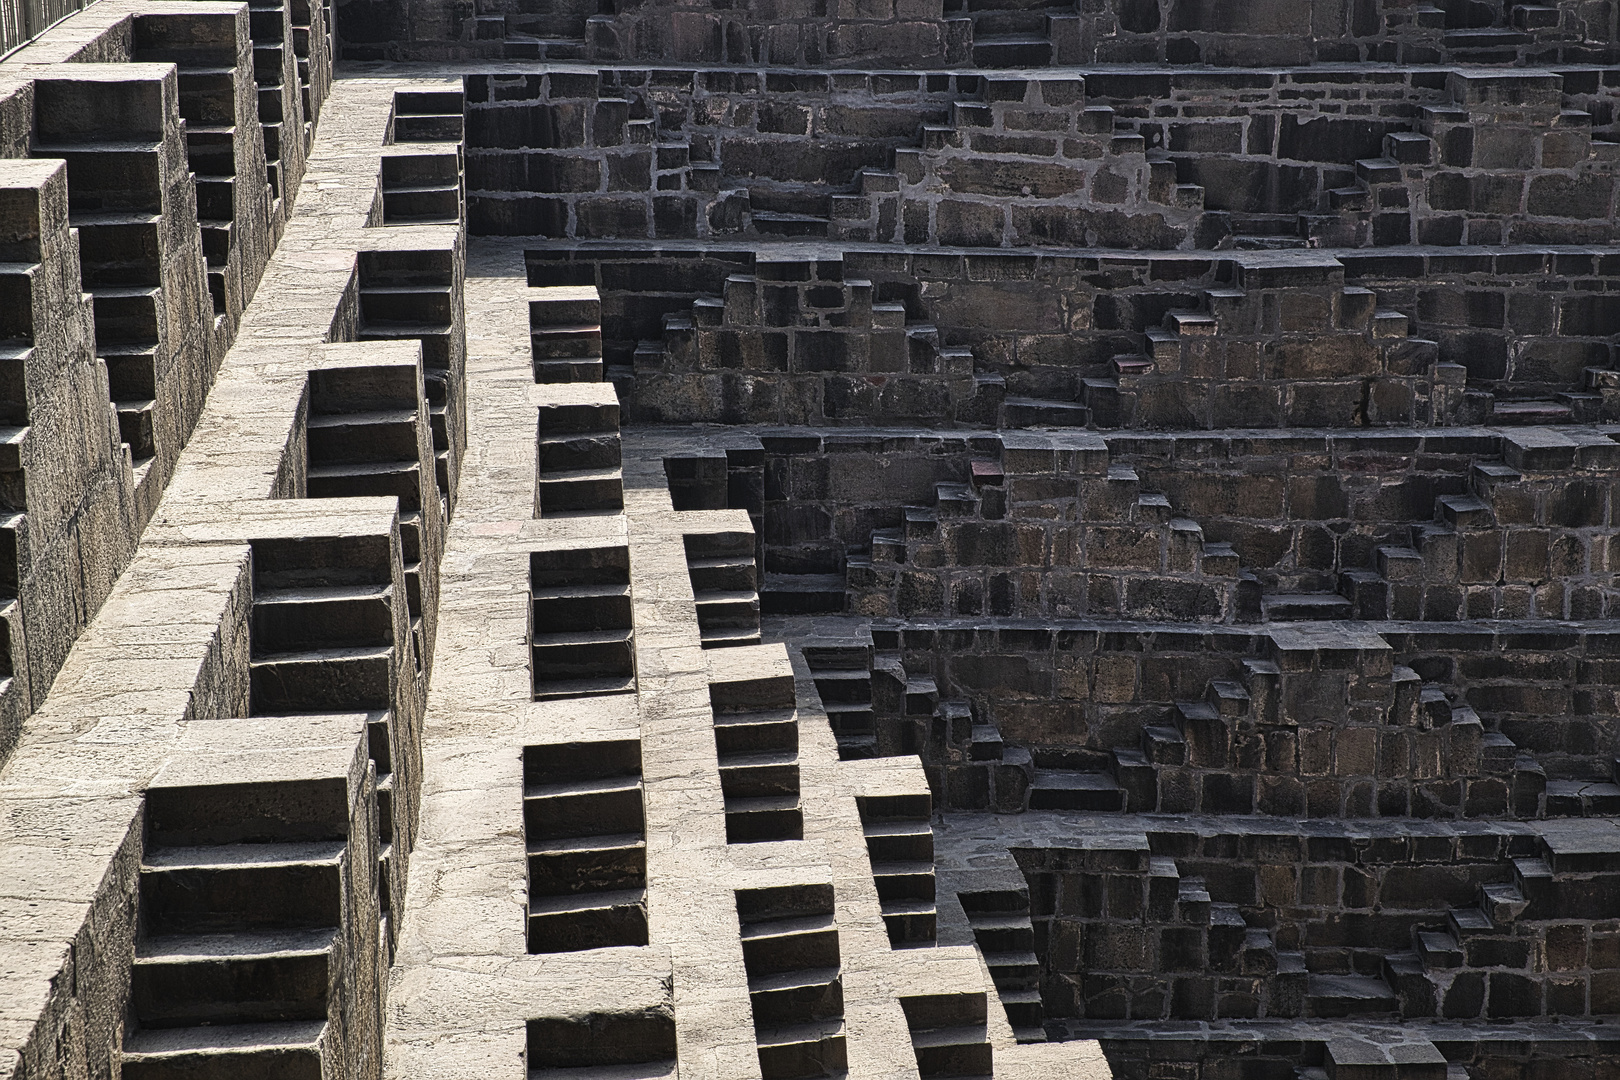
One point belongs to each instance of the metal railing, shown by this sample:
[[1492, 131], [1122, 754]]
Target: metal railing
[[23, 20]]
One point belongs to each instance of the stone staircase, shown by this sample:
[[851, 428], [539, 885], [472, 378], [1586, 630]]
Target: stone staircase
[[565, 332], [953, 558], [415, 296], [950, 1035], [1286, 344], [140, 248], [585, 834], [1011, 34], [275, 74], [1487, 958], [204, 50], [252, 930], [843, 676], [1002, 930], [723, 573], [367, 436], [900, 846], [581, 634], [756, 736], [579, 458], [1189, 764], [1006, 142], [839, 354], [556, 32], [1483, 555], [328, 633], [428, 116], [795, 981], [421, 189]]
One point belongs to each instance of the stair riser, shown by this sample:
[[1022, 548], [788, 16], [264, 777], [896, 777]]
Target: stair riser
[[592, 661], [215, 899], [597, 928], [825, 1057], [791, 952], [800, 1004], [562, 496], [911, 929], [340, 444], [756, 738], [404, 484], [267, 1064], [230, 990], [759, 781], [566, 614], [909, 847], [589, 871], [970, 1059], [582, 452], [284, 627], [905, 886], [322, 686], [763, 826], [596, 814]]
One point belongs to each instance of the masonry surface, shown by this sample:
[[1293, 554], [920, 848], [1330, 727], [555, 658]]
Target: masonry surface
[[578, 540]]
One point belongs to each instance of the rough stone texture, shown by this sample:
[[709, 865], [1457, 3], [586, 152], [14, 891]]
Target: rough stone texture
[[788, 540]]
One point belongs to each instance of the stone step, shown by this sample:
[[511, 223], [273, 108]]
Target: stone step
[[360, 479], [1303, 607], [1439, 950], [268, 976], [286, 1051], [849, 718], [576, 864], [778, 223], [355, 677], [910, 922], [723, 572], [1012, 51], [566, 341], [899, 841], [755, 732], [236, 887], [293, 620], [1342, 996], [1582, 798], [727, 609], [1017, 970], [800, 937], [843, 686], [1061, 789], [800, 1050], [588, 806], [960, 1051], [1002, 932], [576, 491], [754, 819], [801, 594], [803, 995], [1530, 413], [582, 654], [761, 773], [591, 920], [1038, 413], [912, 880]]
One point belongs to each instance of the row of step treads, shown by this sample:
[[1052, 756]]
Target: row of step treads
[[900, 847], [232, 974], [1005, 936], [795, 989], [566, 333], [584, 829]]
